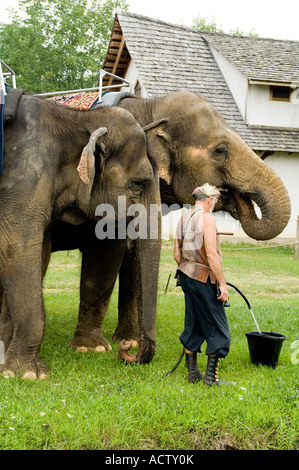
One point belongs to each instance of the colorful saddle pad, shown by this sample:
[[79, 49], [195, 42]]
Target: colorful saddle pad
[[78, 100]]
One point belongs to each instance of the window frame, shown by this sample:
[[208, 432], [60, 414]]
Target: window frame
[[274, 98]]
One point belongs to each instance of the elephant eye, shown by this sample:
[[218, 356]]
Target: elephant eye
[[220, 152], [137, 184]]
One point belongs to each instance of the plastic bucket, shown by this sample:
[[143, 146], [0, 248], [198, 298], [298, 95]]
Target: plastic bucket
[[264, 347]]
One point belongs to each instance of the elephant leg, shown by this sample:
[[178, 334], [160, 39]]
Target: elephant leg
[[1, 295], [46, 256], [22, 320], [6, 329], [101, 260]]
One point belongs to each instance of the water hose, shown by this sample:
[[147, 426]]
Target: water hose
[[241, 294], [177, 364]]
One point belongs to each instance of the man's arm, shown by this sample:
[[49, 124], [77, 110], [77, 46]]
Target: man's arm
[[210, 243], [178, 242], [177, 250]]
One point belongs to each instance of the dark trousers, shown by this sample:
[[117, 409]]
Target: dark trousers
[[205, 318]]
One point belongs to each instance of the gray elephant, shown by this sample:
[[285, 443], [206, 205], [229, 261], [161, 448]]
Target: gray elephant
[[193, 146], [62, 163]]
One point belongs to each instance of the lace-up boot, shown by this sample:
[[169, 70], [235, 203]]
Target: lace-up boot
[[211, 375], [194, 374]]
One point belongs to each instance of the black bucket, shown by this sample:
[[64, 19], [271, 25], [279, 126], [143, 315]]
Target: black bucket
[[264, 347]]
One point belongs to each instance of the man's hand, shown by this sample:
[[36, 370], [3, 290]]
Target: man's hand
[[223, 293]]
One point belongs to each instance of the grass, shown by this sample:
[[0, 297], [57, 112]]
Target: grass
[[92, 401]]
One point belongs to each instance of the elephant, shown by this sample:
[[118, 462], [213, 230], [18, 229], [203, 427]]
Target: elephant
[[192, 146], [62, 164]]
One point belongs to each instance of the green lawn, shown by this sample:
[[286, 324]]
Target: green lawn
[[92, 401]]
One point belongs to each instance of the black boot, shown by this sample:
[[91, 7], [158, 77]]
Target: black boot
[[211, 375], [194, 374]]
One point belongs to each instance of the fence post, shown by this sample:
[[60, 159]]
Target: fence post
[[297, 240]]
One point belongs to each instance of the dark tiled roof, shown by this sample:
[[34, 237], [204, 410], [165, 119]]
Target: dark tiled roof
[[171, 57], [259, 58]]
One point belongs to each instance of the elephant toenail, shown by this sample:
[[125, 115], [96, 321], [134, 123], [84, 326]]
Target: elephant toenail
[[43, 376], [29, 376], [82, 349], [8, 373]]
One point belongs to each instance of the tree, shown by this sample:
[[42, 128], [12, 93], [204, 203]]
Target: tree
[[55, 45], [204, 25]]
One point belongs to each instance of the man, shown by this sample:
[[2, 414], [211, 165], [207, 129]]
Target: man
[[201, 277]]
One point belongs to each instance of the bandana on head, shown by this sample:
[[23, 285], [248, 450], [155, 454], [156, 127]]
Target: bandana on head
[[207, 190]]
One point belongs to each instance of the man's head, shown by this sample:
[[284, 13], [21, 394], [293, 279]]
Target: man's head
[[206, 194]]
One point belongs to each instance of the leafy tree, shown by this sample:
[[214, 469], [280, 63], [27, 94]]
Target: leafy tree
[[55, 45], [204, 25]]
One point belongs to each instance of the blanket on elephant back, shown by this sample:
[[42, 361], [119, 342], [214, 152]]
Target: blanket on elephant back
[[77, 100], [90, 100]]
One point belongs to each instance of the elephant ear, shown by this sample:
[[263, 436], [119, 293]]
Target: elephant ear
[[86, 167], [160, 143]]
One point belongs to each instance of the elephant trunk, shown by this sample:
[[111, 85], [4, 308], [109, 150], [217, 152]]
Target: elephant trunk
[[260, 184], [147, 300], [146, 267]]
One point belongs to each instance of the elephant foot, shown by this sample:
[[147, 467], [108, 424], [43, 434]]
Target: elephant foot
[[84, 342], [27, 370]]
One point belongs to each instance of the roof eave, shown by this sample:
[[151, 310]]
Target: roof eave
[[253, 81]]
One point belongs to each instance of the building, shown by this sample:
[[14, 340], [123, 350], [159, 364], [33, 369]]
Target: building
[[253, 82]]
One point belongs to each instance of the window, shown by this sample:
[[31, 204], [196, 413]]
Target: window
[[280, 93]]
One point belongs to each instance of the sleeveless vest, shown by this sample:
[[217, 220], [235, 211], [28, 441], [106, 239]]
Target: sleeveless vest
[[194, 262]]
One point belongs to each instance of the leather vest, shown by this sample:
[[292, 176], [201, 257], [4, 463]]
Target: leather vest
[[194, 262]]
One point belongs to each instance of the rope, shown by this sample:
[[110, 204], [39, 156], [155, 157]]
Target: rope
[[256, 247]]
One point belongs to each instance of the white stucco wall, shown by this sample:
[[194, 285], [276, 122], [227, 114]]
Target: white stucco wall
[[287, 167], [236, 81], [254, 100], [225, 223], [264, 112], [132, 76]]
